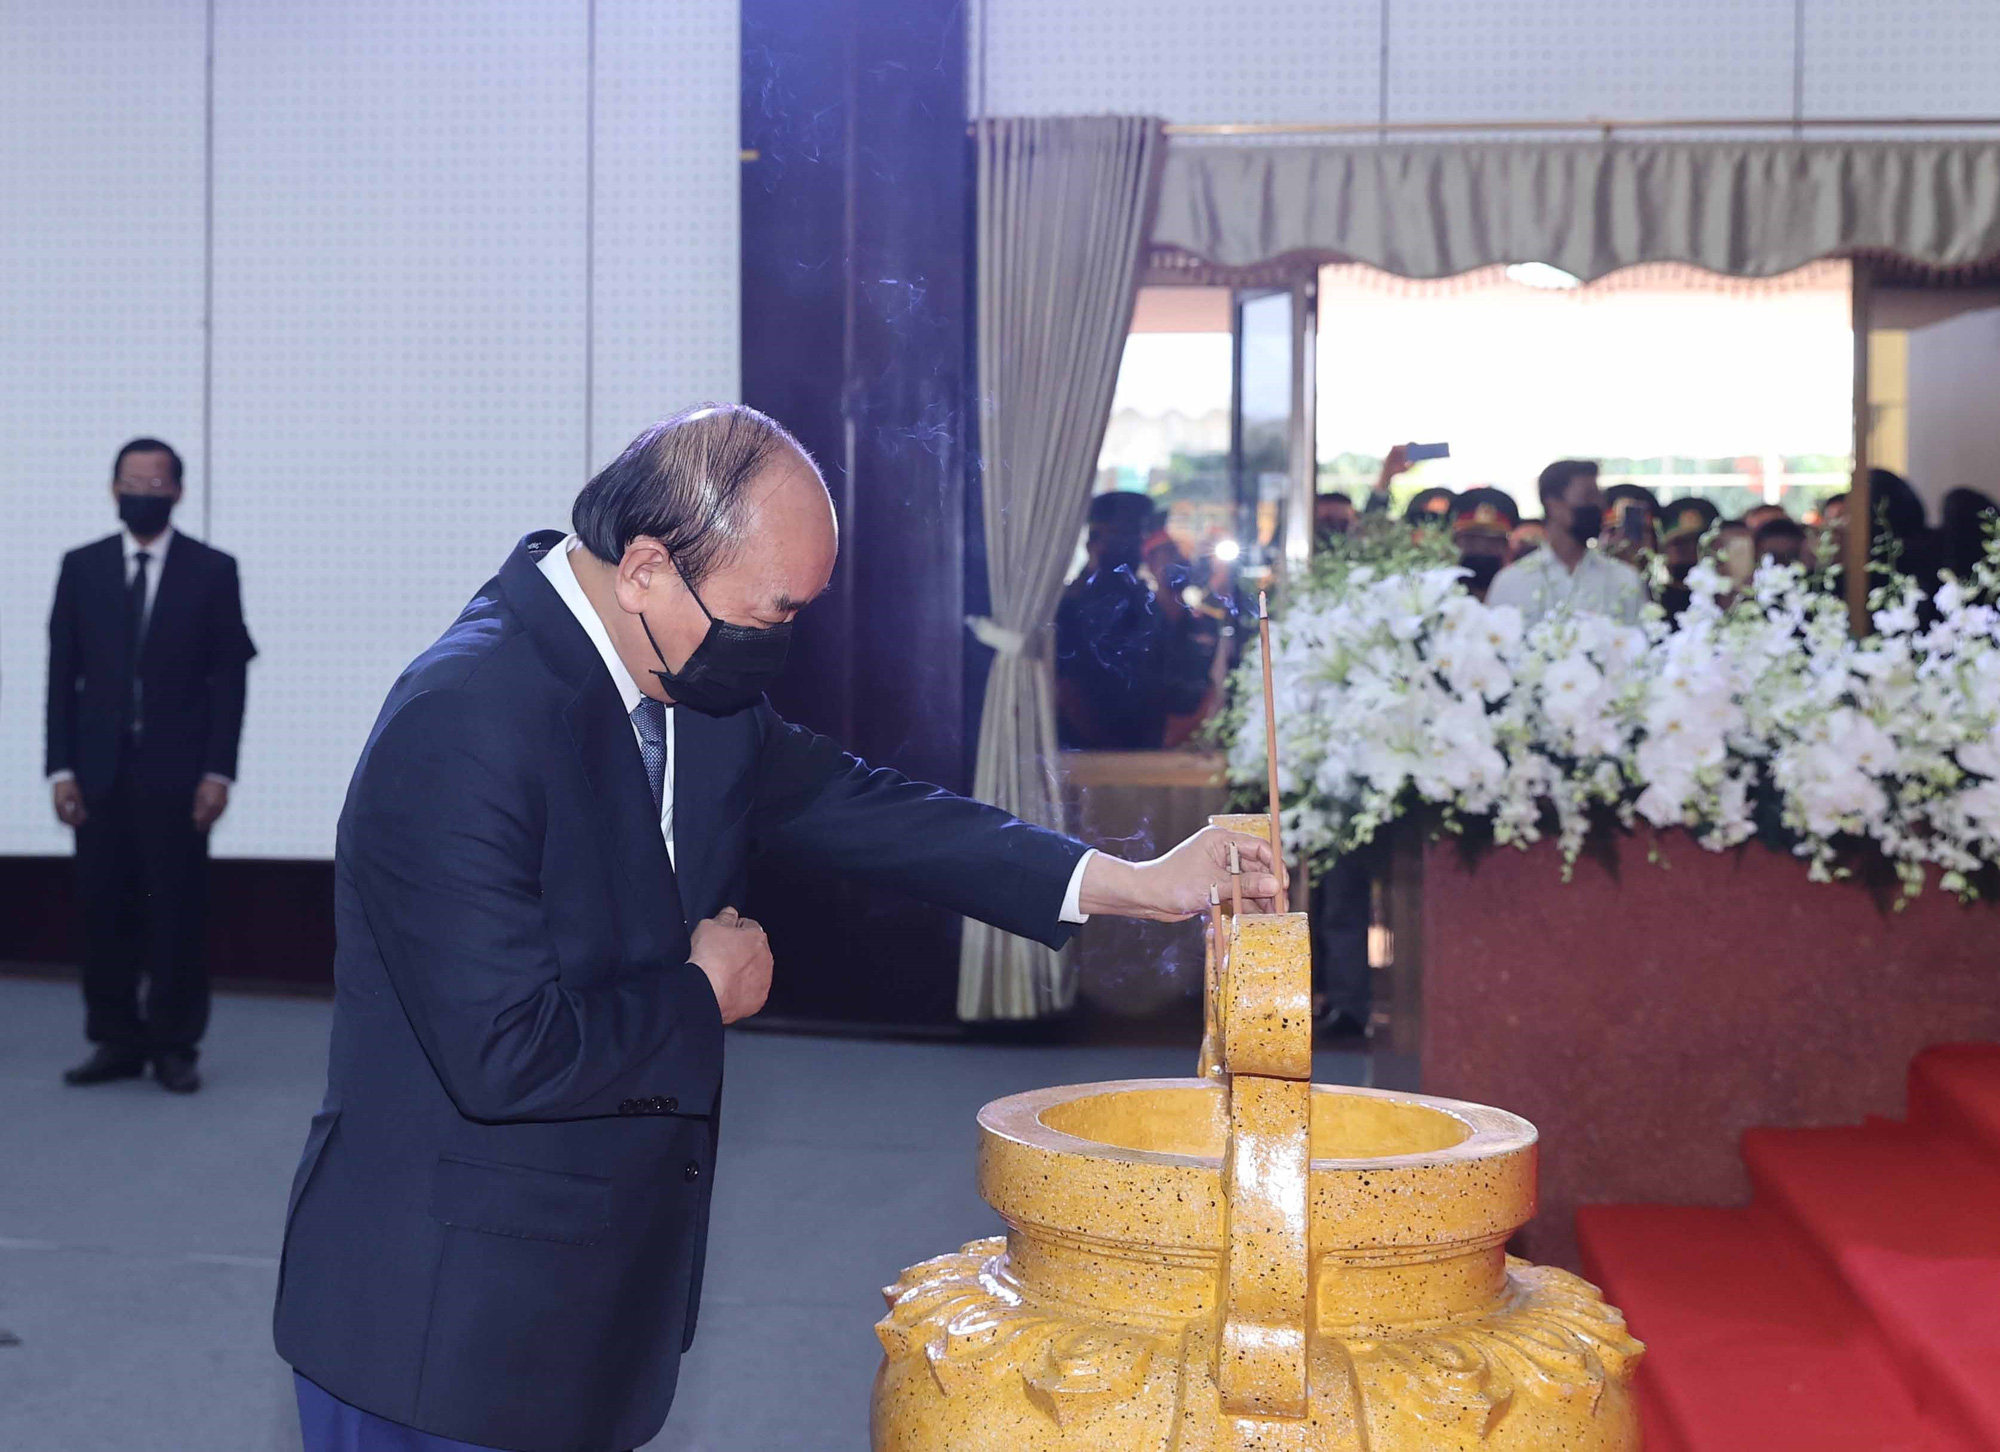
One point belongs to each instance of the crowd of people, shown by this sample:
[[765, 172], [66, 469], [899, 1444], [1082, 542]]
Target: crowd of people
[[1146, 637], [1593, 546]]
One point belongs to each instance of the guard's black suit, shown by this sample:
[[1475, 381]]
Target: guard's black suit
[[141, 863], [496, 1231]]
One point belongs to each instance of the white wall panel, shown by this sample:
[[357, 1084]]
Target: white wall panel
[[1457, 60], [1910, 58], [1187, 60], [1954, 431], [399, 255], [101, 116], [1320, 60], [666, 313]]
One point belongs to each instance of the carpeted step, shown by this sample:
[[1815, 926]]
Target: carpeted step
[[1955, 1088], [1909, 1219], [1752, 1345], [1656, 1433]]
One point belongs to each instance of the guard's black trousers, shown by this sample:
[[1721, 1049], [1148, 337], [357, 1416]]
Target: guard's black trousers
[[142, 884]]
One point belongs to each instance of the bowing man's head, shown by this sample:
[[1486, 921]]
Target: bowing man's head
[[702, 541]]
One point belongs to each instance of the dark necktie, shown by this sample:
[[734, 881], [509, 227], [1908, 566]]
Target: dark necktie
[[650, 717], [135, 599]]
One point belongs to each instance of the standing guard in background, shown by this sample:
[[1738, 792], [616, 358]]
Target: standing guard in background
[[148, 657]]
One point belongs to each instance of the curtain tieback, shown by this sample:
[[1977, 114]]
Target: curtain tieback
[[995, 636]]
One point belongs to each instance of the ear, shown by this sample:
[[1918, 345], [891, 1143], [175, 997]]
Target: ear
[[644, 568]]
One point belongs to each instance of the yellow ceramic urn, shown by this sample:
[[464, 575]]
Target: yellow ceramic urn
[[1246, 1260]]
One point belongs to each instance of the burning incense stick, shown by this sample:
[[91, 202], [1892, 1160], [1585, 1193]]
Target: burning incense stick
[[1271, 747]]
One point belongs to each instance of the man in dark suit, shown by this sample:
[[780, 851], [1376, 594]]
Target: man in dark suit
[[147, 660], [496, 1232]]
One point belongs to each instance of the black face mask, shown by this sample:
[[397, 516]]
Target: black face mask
[[144, 514], [1586, 522], [729, 669], [1484, 568]]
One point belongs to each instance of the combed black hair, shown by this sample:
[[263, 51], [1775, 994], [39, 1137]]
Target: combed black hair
[[1893, 499], [1783, 527], [1967, 512], [1553, 482], [683, 482], [149, 446]]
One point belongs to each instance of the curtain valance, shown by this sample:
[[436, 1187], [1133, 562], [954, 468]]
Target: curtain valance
[[1748, 208]]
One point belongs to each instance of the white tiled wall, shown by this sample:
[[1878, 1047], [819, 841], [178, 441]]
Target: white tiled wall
[[1187, 60], [1507, 60], [666, 270], [1909, 57], [1324, 60], [401, 264], [399, 259]]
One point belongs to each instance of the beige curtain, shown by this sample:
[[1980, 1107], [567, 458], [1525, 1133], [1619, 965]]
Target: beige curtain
[[1064, 208], [1747, 208]]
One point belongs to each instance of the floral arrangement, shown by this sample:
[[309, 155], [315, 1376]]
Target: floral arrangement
[[1756, 714]]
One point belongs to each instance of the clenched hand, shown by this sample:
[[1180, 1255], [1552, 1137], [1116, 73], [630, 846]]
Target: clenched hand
[[68, 798], [733, 951], [211, 800]]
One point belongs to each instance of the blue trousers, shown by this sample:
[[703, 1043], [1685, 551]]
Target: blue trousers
[[328, 1424]]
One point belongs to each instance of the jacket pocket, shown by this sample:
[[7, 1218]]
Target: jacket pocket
[[515, 1200]]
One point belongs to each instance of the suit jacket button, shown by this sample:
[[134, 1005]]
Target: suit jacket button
[[692, 1172], [657, 1105], [669, 1104], [627, 1106]]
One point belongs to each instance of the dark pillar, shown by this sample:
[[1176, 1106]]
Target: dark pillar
[[855, 327]]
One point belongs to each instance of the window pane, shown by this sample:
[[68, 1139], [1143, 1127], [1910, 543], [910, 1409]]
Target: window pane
[[1736, 390]]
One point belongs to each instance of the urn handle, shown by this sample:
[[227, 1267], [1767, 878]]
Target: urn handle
[[1258, 1042]]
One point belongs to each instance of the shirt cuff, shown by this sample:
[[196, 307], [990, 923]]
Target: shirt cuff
[[64, 775], [218, 776], [1072, 908]]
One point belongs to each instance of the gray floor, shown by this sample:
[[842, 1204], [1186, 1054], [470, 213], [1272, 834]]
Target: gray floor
[[138, 1231]]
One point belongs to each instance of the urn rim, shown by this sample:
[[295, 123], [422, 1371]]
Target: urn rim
[[1490, 1133]]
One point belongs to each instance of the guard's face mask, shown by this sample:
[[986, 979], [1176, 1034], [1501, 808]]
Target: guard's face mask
[[730, 669], [1484, 568], [145, 514]]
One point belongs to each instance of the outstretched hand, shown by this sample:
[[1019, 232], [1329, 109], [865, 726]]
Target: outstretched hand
[[1175, 886]]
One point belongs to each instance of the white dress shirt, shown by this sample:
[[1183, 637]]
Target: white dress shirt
[[555, 564], [156, 562], [1540, 585]]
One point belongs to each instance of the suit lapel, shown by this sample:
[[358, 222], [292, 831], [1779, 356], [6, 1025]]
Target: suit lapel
[[603, 735], [711, 790], [104, 584], [176, 589], [696, 784]]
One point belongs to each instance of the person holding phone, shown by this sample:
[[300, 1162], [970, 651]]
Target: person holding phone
[[1570, 572], [1630, 513]]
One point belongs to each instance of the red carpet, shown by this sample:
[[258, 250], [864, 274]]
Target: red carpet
[[1854, 1305]]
